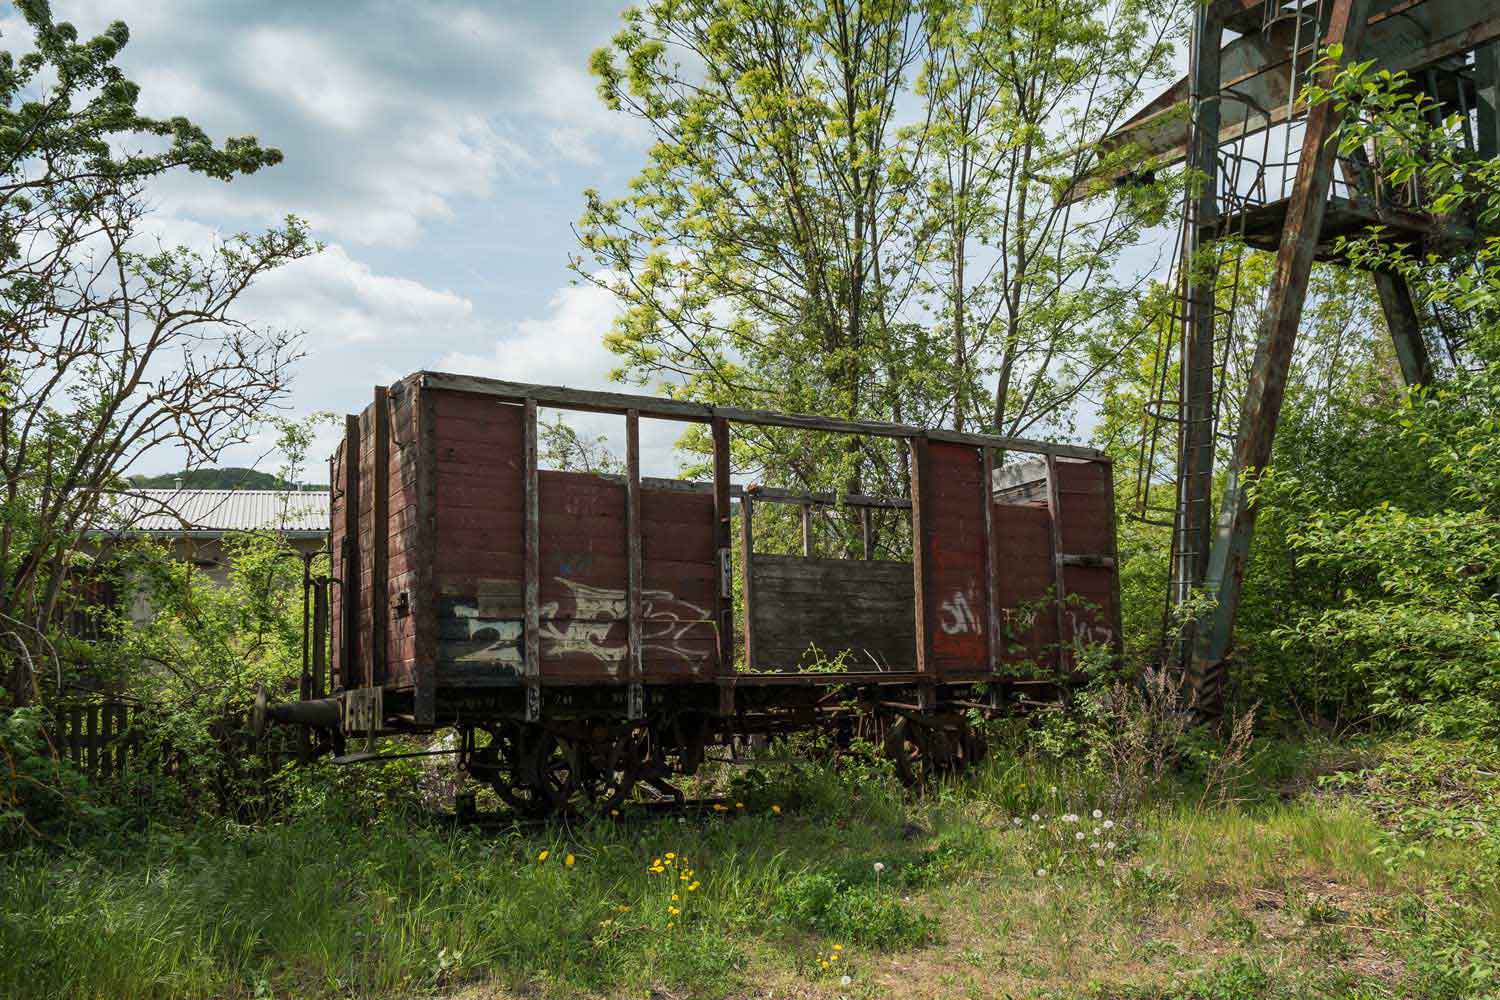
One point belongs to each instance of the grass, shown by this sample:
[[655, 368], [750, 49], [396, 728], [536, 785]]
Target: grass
[[1344, 889]]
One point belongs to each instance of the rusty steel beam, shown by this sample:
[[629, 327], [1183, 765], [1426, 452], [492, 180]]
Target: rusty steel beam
[[1405, 324], [1193, 527], [1273, 355], [1403, 35], [1487, 108]]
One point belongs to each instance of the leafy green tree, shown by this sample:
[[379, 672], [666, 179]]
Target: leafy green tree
[[850, 209], [110, 344]]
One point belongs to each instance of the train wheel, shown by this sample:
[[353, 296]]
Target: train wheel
[[907, 744], [504, 766], [613, 769], [555, 770]]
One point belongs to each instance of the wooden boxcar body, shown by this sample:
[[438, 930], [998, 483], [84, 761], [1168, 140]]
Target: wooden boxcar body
[[582, 631]]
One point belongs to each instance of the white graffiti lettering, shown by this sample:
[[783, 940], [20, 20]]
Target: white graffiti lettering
[[957, 617]]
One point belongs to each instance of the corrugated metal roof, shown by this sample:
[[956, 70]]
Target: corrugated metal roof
[[218, 511]]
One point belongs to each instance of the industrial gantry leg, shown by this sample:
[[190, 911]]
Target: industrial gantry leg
[[1273, 353]]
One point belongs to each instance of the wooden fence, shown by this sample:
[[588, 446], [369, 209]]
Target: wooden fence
[[100, 738]]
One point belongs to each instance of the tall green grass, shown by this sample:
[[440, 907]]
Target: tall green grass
[[328, 905]]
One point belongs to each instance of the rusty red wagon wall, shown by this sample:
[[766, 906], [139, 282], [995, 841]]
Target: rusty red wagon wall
[[440, 518]]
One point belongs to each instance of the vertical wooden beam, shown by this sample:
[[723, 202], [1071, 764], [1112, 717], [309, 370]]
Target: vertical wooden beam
[[635, 695], [92, 746], [807, 542], [747, 574], [867, 540], [75, 744], [1054, 503], [724, 543], [532, 547], [121, 724], [350, 669], [921, 557], [320, 639], [425, 597], [991, 584], [1277, 339], [380, 536], [1117, 616]]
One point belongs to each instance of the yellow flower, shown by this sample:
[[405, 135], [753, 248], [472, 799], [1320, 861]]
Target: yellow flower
[[543, 855], [693, 887], [670, 855], [568, 861], [720, 807], [776, 810], [823, 964], [674, 897], [669, 925], [739, 805], [673, 910], [838, 947], [833, 958], [614, 812]]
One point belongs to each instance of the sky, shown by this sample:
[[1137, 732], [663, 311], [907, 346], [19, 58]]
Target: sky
[[439, 149]]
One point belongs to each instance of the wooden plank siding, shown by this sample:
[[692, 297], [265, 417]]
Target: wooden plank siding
[[440, 548]]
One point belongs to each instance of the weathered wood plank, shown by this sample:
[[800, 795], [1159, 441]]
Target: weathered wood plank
[[532, 664]]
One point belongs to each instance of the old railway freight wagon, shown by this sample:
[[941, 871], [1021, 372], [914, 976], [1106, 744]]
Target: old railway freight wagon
[[588, 634]]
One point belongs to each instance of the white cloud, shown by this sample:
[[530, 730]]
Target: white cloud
[[339, 300], [566, 347]]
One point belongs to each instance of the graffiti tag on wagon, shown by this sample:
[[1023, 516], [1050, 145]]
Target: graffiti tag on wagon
[[583, 624]]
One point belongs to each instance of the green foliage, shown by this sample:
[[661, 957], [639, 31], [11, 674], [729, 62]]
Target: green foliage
[[227, 478], [111, 344], [851, 911], [1416, 618], [41, 796], [821, 180]]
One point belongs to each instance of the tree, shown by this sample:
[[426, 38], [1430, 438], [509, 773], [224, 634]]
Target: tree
[[110, 345], [817, 228], [1025, 281]]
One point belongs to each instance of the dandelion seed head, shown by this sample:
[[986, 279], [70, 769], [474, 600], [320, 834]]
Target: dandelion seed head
[[1109, 824], [1078, 835], [1098, 814], [879, 867]]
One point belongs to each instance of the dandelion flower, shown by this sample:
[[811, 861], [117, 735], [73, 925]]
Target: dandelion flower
[[670, 855], [833, 958], [720, 807], [669, 925], [543, 855], [823, 964], [569, 860], [693, 887], [674, 897], [614, 812], [739, 805], [776, 809]]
